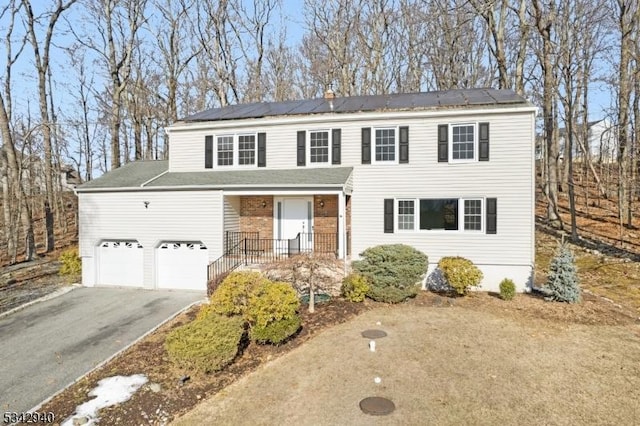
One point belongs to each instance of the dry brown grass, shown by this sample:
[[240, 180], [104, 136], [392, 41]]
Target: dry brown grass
[[471, 363]]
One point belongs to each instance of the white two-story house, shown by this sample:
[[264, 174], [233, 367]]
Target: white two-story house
[[450, 173]]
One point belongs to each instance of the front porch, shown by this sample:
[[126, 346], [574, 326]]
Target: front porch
[[262, 229]]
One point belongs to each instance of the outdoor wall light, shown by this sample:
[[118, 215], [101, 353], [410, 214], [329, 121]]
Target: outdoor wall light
[[264, 204], [322, 203], [146, 204]]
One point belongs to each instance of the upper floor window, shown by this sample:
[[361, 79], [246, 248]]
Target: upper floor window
[[319, 146], [246, 150], [463, 142], [385, 145], [225, 150]]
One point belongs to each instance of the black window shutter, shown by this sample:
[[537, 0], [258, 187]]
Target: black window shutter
[[388, 215], [302, 148], [492, 215], [404, 144], [262, 150], [443, 143], [336, 146], [366, 145], [483, 139], [208, 152]]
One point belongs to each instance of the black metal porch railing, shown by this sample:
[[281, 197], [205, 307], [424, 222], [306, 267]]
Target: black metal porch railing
[[223, 265], [249, 249], [233, 238]]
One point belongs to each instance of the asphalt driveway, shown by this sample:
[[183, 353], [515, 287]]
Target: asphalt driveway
[[46, 346]]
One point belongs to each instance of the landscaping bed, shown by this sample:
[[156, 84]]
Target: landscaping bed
[[164, 397], [154, 404]]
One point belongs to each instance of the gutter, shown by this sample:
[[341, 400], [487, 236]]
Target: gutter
[[213, 187]]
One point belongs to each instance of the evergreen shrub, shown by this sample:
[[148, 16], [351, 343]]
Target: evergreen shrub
[[272, 312], [355, 287], [507, 289], [460, 273], [233, 294], [562, 281], [206, 344], [71, 262], [275, 332], [394, 271]]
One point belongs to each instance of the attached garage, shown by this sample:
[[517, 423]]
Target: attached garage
[[120, 263], [182, 265]]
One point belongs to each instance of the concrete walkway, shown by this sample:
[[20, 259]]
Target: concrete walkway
[[46, 346]]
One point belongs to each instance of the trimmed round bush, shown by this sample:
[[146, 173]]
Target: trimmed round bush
[[507, 289], [272, 301], [233, 294], [206, 344], [355, 287], [460, 273], [393, 271], [275, 332]]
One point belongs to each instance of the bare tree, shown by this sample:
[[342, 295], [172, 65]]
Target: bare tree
[[14, 188], [545, 20], [42, 65]]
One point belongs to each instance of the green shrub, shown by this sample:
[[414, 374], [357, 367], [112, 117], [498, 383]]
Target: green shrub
[[355, 287], [233, 294], [275, 331], [272, 301], [71, 262], [393, 271], [562, 281], [507, 289], [207, 344], [460, 273], [272, 312]]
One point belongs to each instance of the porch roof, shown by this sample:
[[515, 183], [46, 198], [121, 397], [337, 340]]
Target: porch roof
[[154, 175], [301, 177]]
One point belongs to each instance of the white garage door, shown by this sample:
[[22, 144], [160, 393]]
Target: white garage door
[[120, 263], [182, 265]]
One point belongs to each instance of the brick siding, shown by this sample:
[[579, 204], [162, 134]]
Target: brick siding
[[254, 217]]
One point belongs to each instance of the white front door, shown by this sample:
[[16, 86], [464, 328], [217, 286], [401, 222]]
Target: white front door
[[293, 216]]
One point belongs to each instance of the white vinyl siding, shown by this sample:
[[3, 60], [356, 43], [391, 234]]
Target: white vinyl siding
[[170, 216], [508, 177]]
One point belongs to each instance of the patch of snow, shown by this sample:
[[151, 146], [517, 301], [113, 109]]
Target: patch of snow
[[110, 391]]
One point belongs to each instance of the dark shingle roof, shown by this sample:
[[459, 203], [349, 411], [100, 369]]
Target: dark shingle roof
[[152, 175], [402, 101], [266, 177], [130, 175]]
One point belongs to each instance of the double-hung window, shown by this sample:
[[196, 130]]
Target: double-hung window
[[406, 215], [472, 215], [319, 147], [225, 150], [247, 150], [463, 142], [448, 214], [386, 145], [236, 150]]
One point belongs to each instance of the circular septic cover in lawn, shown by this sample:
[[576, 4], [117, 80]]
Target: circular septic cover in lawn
[[377, 406], [373, 334]]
